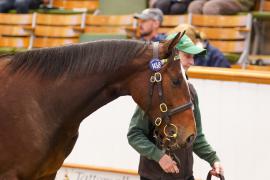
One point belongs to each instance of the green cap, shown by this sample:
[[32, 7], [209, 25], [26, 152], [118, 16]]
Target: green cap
[[186, 45]]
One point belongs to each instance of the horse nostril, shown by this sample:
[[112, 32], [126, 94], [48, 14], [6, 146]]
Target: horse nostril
[[190, 139]]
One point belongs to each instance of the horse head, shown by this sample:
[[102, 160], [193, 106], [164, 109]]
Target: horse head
[[162, 91]]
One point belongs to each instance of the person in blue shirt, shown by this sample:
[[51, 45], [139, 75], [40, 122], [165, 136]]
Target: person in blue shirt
[[150, 21], [213, 58]]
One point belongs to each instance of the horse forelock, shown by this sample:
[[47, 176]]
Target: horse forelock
[[92, 57]]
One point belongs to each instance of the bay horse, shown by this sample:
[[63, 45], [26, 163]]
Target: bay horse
[[46, 93]]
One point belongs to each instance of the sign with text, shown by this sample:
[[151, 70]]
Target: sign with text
[[88, 174]]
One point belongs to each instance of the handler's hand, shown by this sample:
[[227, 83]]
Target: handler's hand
[[168, 165], [217, 169]]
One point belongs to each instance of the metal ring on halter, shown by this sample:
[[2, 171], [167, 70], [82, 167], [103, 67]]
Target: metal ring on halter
[[158, 77], [172, 136], [163, 107], [164, 61], [158, 121], [152, 79]]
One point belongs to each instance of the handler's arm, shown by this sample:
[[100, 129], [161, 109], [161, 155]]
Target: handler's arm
[[138, 136], [201, 147]]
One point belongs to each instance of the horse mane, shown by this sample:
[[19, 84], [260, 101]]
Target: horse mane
[[91, 57]]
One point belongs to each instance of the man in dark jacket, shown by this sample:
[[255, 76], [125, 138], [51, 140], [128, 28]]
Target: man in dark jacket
[[155, 164]]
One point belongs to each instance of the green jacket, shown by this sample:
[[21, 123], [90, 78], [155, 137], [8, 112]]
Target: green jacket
[[139, 132]]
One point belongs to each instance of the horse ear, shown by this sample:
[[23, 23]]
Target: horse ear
[[170, 44]]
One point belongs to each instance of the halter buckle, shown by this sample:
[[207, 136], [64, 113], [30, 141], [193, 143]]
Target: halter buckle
[[158, 77], [163, 107], [158, 121], [152, 79]]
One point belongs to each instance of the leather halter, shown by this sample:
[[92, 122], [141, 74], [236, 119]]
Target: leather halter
[[156, 79]]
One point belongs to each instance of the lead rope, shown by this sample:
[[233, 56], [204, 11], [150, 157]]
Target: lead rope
[[220, 176]]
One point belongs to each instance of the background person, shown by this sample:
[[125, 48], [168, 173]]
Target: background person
[[172, 6], [150, 21], [21, 6], [213, 57], [220, 7]]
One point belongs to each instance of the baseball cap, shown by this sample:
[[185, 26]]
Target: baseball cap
[[150, 13], [187, 46]]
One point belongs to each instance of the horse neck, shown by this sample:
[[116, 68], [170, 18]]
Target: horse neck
[[82, 96]]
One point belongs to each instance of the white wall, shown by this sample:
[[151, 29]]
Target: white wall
[[102, 137], [235, 120]]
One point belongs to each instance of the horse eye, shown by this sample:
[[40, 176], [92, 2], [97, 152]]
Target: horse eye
[[176, 82]]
